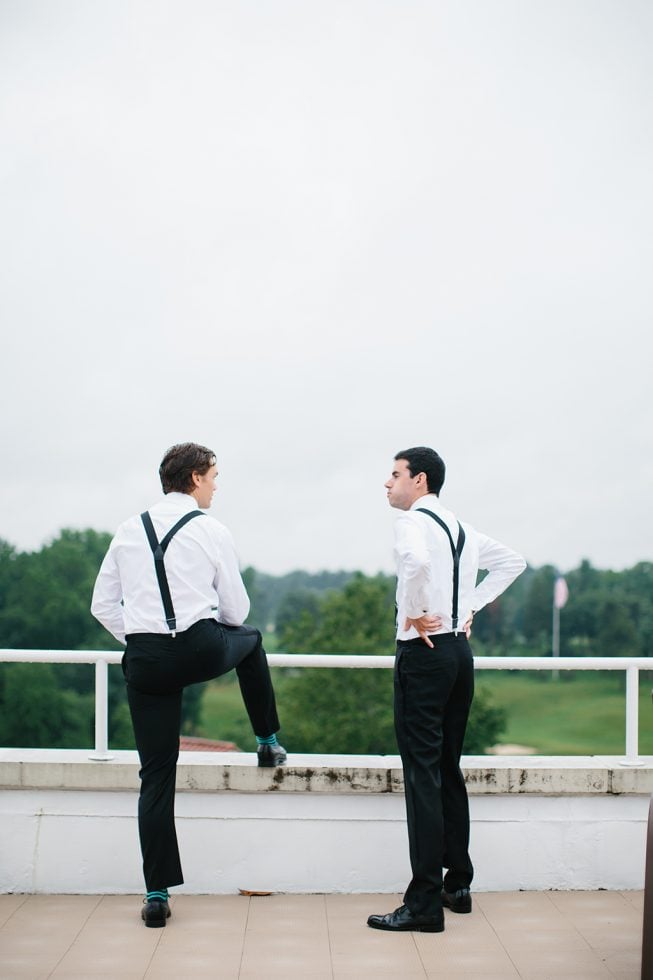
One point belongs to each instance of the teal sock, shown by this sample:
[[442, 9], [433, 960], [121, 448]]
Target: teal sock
[[158, 896], [269, 740]]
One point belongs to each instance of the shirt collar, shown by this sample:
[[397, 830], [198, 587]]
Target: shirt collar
[[430, 500], [181, 501]]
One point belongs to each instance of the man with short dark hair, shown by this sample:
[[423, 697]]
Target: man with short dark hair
[[170, 588], [437, 561]]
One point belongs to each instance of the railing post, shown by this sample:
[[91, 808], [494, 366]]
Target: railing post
[[632, 718], [101, 752]]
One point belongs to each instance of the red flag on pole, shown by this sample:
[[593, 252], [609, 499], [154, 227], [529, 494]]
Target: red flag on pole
[[560, 592]]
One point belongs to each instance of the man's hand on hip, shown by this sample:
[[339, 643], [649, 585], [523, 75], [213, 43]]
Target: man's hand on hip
[[468, 626], [424, 625]]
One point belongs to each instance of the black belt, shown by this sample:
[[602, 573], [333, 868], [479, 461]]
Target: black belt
[[418, 641]]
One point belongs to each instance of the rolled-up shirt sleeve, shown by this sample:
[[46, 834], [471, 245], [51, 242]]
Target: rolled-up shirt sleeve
[[106, 604], [503, 566]]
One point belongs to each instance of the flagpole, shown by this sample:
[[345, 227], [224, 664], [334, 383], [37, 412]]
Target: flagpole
[[560, 595], [555, 652]]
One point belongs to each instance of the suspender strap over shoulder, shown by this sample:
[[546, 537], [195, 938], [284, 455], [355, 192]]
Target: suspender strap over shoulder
[[158, 550], [456, 551]]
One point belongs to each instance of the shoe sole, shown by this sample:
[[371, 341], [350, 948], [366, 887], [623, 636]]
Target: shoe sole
[[271, 765], [426, 928]]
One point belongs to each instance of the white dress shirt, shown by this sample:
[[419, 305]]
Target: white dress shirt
[[425, 568], [201, 566]]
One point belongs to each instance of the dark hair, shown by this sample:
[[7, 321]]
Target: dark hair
[[179, 464], [421, 459]]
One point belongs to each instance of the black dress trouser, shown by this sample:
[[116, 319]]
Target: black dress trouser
[[157, 668], [434, 689]]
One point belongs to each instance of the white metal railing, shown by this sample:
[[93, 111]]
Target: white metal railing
[[101, 659]]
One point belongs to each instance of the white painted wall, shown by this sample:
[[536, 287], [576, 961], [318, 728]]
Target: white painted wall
[[68, 841]]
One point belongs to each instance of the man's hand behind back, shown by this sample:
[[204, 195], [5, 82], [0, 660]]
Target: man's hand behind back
[[430, 624], [424, 625]]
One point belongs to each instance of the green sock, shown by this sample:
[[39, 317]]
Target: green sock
[[157, 896], [268, 740]]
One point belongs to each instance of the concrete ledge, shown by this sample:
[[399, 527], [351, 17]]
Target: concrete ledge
[[67, 769], [338, 823]]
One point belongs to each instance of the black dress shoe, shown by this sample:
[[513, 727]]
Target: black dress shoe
[[403, 920], [460, 901], [155, 913], [271, 755]]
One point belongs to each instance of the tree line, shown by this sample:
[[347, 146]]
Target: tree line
[[44, 604]]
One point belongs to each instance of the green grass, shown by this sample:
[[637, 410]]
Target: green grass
[[583, 713]]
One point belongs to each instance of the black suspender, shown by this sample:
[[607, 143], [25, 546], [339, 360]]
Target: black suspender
[[456, 551], [159, 550]]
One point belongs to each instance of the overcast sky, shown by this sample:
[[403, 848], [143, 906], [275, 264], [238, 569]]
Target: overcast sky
[[309, 234]]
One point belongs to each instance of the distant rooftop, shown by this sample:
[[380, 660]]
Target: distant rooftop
[[190, 743]]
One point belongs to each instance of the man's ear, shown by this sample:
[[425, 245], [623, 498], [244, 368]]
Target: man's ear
[[196, 478]]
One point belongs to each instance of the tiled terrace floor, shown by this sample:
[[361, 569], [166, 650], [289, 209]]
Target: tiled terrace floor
[[585, 935]]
